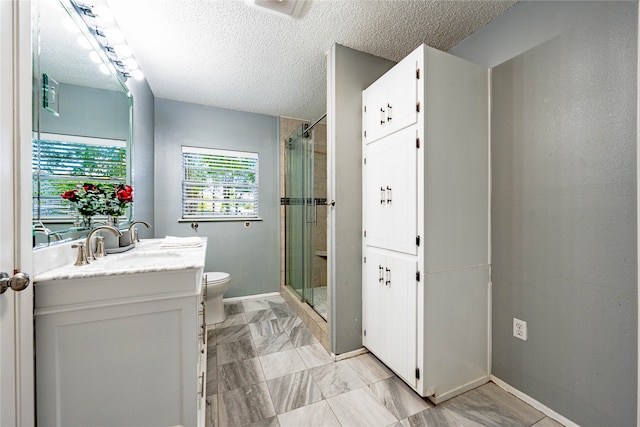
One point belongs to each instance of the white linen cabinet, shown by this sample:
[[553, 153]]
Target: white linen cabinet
[[426, 283]]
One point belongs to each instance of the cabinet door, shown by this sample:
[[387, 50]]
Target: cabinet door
[[390, 103], [390, 311], [373, 305], [401, 95], [374, 116], [400, 300], [390, 192]]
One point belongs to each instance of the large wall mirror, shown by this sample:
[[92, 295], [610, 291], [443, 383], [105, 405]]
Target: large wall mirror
[[82, 118]]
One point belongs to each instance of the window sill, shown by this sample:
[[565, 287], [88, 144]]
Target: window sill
[[218, 219]]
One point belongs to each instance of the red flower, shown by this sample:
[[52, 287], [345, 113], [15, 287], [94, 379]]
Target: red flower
[[70, 195], [125, 194]]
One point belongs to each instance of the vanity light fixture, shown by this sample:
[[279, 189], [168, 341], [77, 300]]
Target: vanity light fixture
[[109, 39], [290, 8]]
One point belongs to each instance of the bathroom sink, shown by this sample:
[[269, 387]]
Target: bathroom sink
[[142, 259], [151, 256]]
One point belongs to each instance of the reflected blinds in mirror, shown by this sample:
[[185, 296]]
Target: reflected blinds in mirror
[[61, 162]]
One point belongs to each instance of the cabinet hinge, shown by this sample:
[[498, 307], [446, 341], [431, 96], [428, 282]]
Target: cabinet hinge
[[365, 133], [417, 276], [417, 142], [418, 74], [417, 373], [365, 160], [365, 260], [365, 233], [418, 107], [364, 332], [365, 108], [417, 240]]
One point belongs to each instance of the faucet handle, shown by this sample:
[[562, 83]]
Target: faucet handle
[[82, 254], [100, 252]]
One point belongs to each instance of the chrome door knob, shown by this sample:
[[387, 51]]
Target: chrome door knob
[[18, 282]]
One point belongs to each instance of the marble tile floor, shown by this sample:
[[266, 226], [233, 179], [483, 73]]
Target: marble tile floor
[[264, 368]]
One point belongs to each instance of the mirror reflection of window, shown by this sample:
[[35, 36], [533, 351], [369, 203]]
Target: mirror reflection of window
[[87, 122], [62, 162]]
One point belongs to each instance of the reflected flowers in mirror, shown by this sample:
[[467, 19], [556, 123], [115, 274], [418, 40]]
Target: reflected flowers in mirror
[[117, 198], [87, 198]]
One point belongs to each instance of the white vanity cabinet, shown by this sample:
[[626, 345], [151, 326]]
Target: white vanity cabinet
[[121, 350], [426, 226]]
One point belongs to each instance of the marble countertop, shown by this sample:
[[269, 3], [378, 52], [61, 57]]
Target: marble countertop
[[147, 256]]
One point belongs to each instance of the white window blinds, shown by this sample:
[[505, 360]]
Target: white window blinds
[[219, 183], [60, 162]]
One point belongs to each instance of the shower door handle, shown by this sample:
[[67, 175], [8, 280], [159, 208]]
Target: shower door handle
[[315, 212], [312, 217]]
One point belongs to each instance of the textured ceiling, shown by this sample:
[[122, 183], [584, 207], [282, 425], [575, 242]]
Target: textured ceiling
[[226, 54]]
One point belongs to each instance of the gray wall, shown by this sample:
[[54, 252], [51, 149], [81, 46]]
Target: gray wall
[[86, 111], [250, 255], [564, 232], [143, 149], [349, 72]]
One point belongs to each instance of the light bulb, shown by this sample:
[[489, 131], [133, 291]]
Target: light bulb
[[95, 57], [104, 13], [123, 51], [137, 74], [82, 41], [114, 35], [131, 64], [104, 69], [70, 26]]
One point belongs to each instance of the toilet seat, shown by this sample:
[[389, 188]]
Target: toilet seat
[[216, 277]]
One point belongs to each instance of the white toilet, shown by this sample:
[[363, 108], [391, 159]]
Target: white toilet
[[217, 283]]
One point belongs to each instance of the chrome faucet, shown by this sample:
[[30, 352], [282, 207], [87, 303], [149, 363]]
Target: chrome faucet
[[90, 254], [133, 236]]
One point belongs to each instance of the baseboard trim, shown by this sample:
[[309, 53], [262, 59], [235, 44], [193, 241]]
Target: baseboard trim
[[533, 402], [458, 391], [348, 354], [250, 297]]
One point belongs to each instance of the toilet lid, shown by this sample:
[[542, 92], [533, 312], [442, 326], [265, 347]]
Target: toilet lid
[[216, 277]]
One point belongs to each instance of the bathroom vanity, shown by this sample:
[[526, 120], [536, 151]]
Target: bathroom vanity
[[122, 341]]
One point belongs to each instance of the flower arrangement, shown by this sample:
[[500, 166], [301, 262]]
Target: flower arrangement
[[88, 199], [94, 199], [117, 198]]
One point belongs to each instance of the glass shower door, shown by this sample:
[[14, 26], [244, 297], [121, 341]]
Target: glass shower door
[[299, 215]]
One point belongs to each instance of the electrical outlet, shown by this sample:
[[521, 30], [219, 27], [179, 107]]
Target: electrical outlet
[[520, 329]]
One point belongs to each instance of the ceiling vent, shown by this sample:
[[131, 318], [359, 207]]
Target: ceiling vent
[[291, 8]]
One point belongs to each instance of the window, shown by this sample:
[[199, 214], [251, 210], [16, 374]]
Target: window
[[60, 162], [219, 183]]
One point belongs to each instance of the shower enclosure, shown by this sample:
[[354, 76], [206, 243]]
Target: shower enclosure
[[306, 216]]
